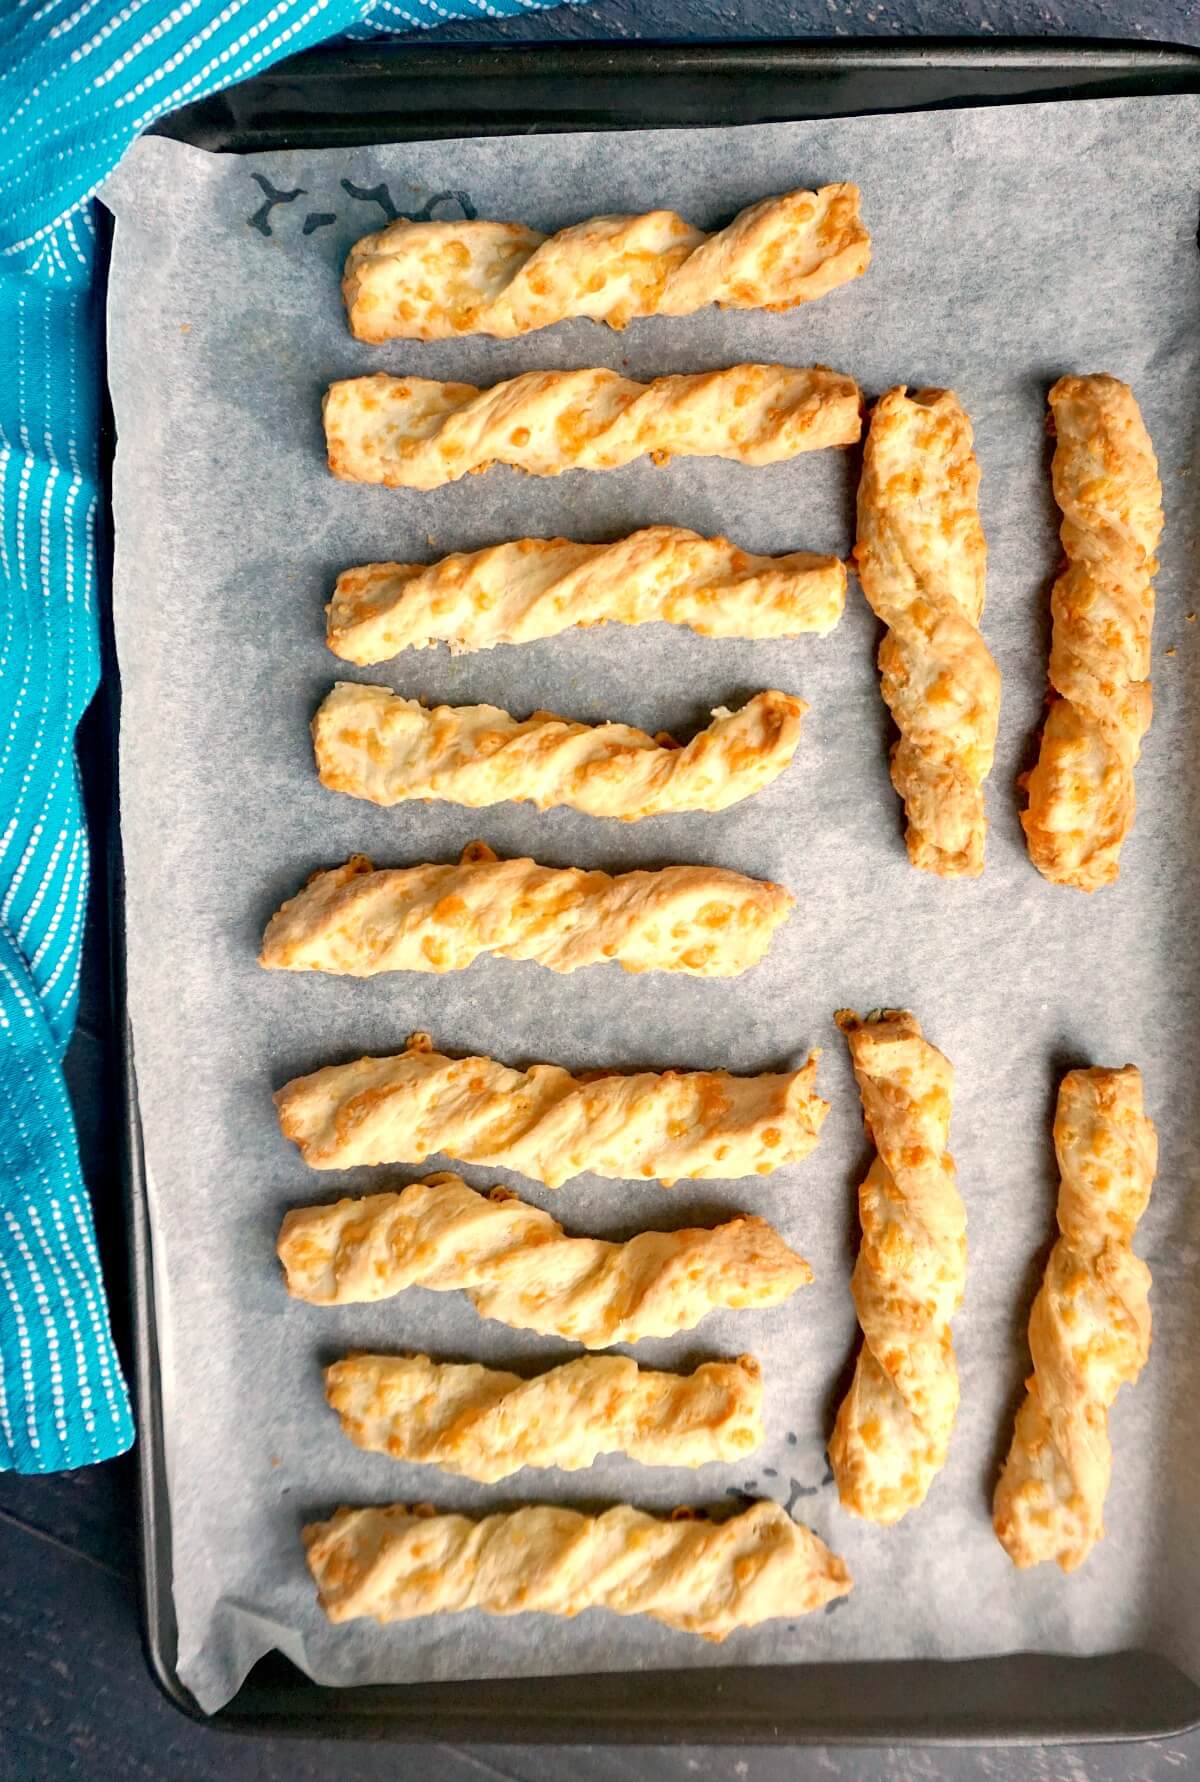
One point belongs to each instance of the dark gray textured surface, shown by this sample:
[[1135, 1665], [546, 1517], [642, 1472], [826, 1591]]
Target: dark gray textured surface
[[1162, 21], [75, 1697]]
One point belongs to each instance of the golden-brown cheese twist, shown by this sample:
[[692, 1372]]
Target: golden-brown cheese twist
[[430, 281], [548, 1124], [1081, 793], [519, 1266], [893, 1429], [1089, 1331], [414, 433], [530, 588], [922, 560], [703, 1577], [702, 920], [486, 1424], [373, 744]]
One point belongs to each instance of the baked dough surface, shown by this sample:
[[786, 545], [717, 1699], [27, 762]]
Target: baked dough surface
[[373, 744], [1081, 793], [704, 1577], [1089, 1331], [486, 1424], [893, 1429], [431, 281], [548, 1124], [518, 1265], [922, 561], [701, 920], [531, 588], [413, 433]]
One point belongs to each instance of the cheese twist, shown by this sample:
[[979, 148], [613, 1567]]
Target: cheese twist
[[531, 588], [373, 744], [413, 433], [1081, 793], [432, 281], [701, 920], [922, 559], [703, 1577], [1089, 1331], [485, 1424], [519, 1267], [548, 1124], [893, 1428]]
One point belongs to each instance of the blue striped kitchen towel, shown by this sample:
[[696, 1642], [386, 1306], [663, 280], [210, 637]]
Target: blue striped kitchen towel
[[78, 80]]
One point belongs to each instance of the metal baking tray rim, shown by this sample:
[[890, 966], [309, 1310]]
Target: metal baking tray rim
[[1117, 1696]]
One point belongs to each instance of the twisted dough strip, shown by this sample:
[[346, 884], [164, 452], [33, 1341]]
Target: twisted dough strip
[[430, 281], [375, 745], [539, 587], [548, 1124], [1081, 794], [702, 920], [702, 1577], [519, 1267], [412, 433], [1089, 1331], [485, 1424], [922, 559], [893, 1428]]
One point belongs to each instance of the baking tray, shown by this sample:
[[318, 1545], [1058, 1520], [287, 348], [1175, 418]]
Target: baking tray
[[365, 94]]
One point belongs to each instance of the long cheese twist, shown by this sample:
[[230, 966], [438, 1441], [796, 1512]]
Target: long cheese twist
[[703, 1577], [538, 587], [374, 744], [1089, 1331], [922, 559], [893, 1429], [519, 1266], [413, 433], [1081, 793], [548, 1124], [486, 1424], [701, 920], [431, 281]]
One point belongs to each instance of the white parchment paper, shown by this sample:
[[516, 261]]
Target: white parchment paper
[[1010, 245]]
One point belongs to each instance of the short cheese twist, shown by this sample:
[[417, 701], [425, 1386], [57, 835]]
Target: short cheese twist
[[548, 1124], [519, 1266], [701, 920], [373, 744], [1081, 793], [412, 433], [431, 281], [485, 1424], [921, 559], [703, 1577], [1089, 1331], [893, 1429], [538, 587]]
